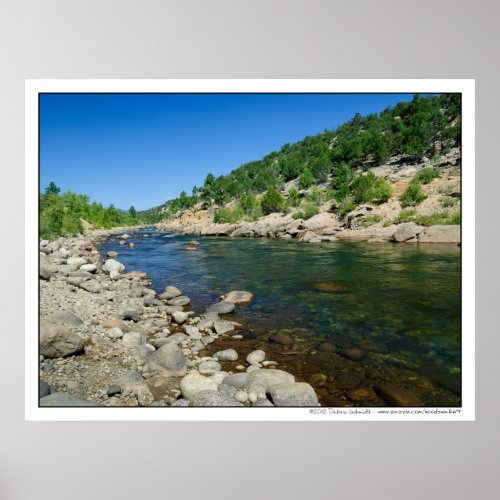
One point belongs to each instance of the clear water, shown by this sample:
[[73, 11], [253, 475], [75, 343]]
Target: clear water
[[399, 303]]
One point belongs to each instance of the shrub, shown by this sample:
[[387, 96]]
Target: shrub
[[228, 215], [448, 201], [370, 220], [309, 210], [443, 218], [271, 202], [413, 194], [405, 216], [306, 179], [346, 206], [342, 176], [427, 175], [294, 198], [298, 215], [370, 188]]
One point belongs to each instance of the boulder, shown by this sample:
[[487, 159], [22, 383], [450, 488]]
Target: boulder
[[226, 355], [213, 398], [133, 339], [113, 265], [170, 360], [89, 268], [65, 317], [261, 381], [405, 233], [398, 396], [58, 341], [179, 317], [440, 234], [222, 307], [353, 353], [132, 383], [47, 270], [173, 291], [77, 261], [58, 399], [194, 382], [237, 380], [292, 394], [192, 331], [150, 301], [256, 357], [182, 300], [238, 297], [209, 367], [112, 254], [44, 388], [222, 326]]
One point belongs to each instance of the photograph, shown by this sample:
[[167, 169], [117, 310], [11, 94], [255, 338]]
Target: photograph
[[250, 251]]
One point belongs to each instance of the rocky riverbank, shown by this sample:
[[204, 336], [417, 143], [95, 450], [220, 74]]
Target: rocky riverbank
[[108, 339]]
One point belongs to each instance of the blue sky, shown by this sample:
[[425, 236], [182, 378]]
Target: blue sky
[[143, 149]]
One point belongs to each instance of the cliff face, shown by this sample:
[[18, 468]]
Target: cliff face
[[389, 221]]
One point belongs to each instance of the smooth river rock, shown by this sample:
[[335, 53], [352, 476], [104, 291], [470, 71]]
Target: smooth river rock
[[292, 394], [226, 355], [58, 341], [113, 265], [222, 307], [195, 382], [398, 396], [440, 234], [65, 317], [238, 297], [170, 359], [256, 357], [213, 398]]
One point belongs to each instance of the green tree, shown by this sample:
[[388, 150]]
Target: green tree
[[132, 212], [52, 189], [271, 202], [306, 179]]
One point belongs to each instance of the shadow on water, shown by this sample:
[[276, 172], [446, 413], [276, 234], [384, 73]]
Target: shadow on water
[[399, 304]]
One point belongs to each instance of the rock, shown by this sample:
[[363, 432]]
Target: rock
[[440, 234], [228, 389], [179, 317], [133, 383], [113, 390], [173, 291], [131, 245], [170, 359], [65, 317], [353, 353], [91, 286], [222, 326], [131, 315], [241, 396], [213, 398], [397, 396], [256, 357], [209, 367], [150, 301], [47, 271], [113, 265], [226, 355], [252, 368], [179, 301], [318, 379], [193, 243], [192, 331], [115, 333], [405, 233], [133, 339], [326, 347], [282, 339], [293, 394], [65, 399], [89, 268], [262, 402], [115, 323], [125, 236], [237, 380], [347, 380], [112, 254], [57, 341], [260, 381], [77, 262], [362, 394], [194, 382], [222, 307], [181, 402], [122, 242], [44, 389], [238, 297], [114, 275]]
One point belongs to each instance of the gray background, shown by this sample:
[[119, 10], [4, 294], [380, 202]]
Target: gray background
[[246, 39]]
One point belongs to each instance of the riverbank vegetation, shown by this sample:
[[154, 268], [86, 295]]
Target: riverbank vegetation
[[68, 213]]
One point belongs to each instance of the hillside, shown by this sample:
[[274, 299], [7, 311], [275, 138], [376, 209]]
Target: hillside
[[401, 166]]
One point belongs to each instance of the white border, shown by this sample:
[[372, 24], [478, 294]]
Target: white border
[[33, 412]]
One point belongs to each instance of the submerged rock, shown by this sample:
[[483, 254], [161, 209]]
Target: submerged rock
[[398, 396], [222, 307]]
